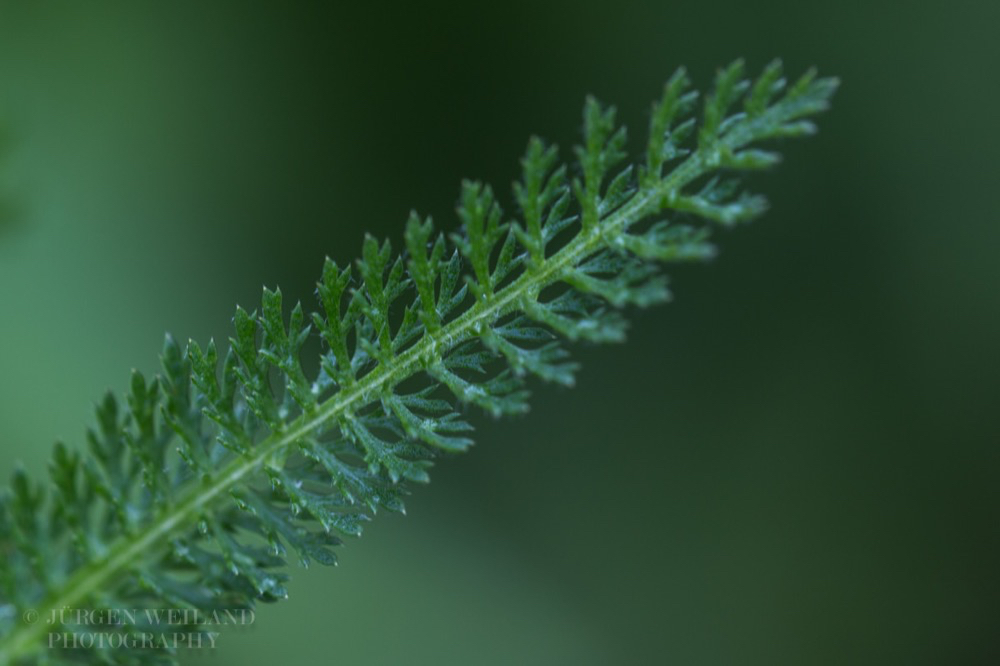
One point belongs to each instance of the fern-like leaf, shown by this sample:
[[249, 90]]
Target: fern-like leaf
[[199, 487]]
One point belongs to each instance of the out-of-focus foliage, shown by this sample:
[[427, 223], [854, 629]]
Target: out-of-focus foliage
[[7, 217]]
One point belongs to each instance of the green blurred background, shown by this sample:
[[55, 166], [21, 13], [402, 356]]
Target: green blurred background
[[794, 463]]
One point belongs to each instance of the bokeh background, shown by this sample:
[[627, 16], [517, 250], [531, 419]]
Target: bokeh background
[[794, 463]]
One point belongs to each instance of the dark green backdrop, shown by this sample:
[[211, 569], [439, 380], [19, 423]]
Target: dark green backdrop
[[795, 463]]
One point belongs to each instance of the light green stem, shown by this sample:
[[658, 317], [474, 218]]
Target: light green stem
[[26, 639]]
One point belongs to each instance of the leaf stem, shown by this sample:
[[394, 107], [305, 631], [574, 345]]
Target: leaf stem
[[26, 639]]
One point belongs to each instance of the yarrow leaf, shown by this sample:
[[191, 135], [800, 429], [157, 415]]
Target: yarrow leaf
[[196, 491]]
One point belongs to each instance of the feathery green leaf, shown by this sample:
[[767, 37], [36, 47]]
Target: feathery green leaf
[[196, 490]]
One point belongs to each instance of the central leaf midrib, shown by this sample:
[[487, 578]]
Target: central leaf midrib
[[367, 389]]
